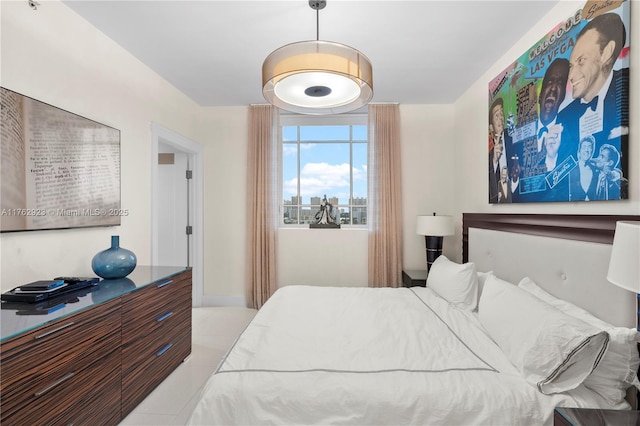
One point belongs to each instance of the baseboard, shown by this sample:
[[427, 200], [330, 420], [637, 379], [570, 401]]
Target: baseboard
[[235, 301]]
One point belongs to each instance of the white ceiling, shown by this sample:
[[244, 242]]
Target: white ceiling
[[423, 52]]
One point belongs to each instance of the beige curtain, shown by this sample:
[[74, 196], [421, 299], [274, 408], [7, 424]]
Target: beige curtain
[[384, 198], [262, 204]]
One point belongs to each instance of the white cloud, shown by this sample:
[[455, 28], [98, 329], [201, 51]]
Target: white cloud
[[318, 179], [292, 149]]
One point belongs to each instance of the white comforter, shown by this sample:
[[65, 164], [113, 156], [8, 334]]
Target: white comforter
[[365, 356]]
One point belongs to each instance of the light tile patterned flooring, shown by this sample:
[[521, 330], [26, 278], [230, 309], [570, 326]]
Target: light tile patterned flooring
[[171, 403]]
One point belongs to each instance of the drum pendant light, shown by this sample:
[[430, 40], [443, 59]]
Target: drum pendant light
[[317, 77]]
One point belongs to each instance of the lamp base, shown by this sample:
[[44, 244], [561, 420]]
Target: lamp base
[[434, 249]]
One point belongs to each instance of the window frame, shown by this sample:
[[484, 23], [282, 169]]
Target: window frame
[[353, 119]]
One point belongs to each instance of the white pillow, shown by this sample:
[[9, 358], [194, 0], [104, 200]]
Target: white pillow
[[617, 370], [553, 351], [482, 278], [568, 308], [454, 282]]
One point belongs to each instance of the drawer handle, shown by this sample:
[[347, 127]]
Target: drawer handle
[[62, 327], [54, 384], [164, 349], [164, 283], [164, 317]]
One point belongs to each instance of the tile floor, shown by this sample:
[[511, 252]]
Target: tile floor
[[171, 403]]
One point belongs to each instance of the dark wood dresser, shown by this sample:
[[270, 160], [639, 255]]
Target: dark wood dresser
[[595, 417], [93, 356]]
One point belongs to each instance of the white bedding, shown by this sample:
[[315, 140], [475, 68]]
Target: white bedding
[[365, 356]]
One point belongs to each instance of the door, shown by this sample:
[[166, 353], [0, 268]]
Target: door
[[181, 207], [173, 207]]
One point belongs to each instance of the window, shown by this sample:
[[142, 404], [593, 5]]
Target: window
[[324, 156]]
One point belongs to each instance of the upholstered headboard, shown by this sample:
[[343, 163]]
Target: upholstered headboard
[[567, 255]]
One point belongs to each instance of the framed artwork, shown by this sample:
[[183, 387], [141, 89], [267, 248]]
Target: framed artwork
[[58, 170], [559, 115]]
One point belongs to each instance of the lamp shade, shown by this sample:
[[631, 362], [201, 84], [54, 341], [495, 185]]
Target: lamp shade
[[317, 77], [437, 226], [624, 266]]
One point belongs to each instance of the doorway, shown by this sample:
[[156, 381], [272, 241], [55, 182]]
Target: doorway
[[177, 203], [174, 215]]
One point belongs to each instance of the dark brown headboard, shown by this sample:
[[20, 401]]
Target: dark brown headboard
[[595, 228]]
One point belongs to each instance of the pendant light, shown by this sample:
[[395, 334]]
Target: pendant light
[[317, 77]]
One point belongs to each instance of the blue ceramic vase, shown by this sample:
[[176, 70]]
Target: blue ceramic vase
[[114, 262]]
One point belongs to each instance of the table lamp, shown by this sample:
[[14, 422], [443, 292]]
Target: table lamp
[[434, 228], [624, 265]]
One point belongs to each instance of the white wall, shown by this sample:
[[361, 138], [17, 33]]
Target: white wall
[[428, 170], [322, 257], [444, 170], [55, 56], [224, 133], [317, 257]]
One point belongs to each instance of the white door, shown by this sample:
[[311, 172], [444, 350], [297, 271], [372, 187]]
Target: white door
[[173, 207]]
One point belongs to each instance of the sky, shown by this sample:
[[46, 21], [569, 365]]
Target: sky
[[324, 162]]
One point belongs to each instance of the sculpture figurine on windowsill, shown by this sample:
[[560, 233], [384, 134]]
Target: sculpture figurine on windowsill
[[326, 217]]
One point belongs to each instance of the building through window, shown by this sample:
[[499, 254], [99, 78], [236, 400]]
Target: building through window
[[323, 156]]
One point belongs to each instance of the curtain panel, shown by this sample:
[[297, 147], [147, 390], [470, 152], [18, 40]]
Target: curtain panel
[[385, 197], [262, 204]]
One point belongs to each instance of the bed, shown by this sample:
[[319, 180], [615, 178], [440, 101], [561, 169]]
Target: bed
[[501, 339]]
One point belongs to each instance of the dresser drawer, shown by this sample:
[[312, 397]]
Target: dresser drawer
[[152, 369], [135, 303], [157, 336], [154, 311], [33, 361], [101, 402], [91, 396], [69, 363]]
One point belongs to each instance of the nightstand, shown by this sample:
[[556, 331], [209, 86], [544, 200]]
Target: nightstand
[[594, 417], [414, 277]]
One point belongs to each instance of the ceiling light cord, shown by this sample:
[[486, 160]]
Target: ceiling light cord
[[317, 5]]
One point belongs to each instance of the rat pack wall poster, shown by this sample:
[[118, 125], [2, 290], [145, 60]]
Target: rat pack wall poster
[[559, 115]]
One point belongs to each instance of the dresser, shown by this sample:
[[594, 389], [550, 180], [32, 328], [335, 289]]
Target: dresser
[[594, 417], [93, 356]]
